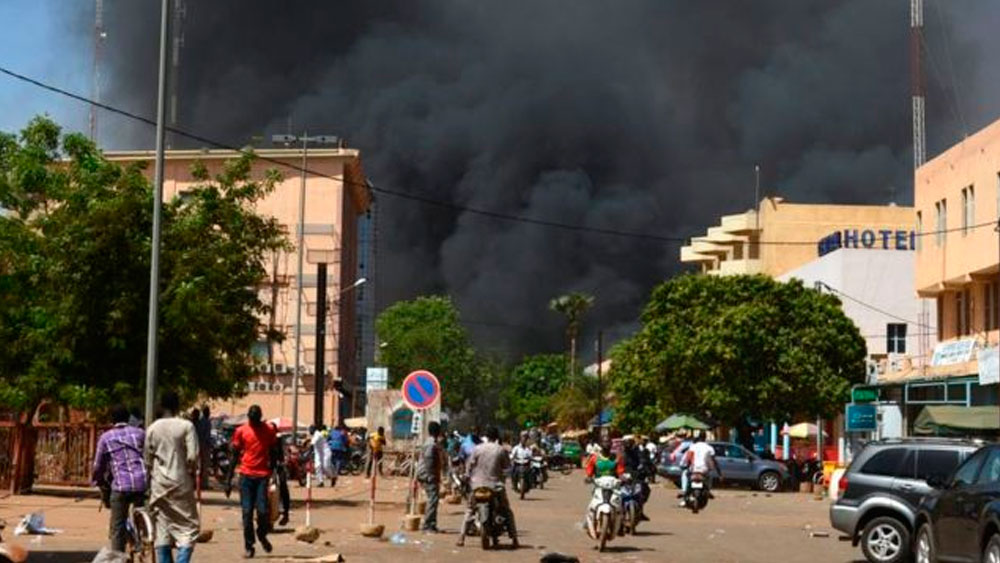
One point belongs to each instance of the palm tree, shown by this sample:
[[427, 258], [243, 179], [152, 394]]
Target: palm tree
[[573, 305]]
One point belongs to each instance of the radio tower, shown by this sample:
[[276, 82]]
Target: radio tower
[[917, 96], [177, 40], [95, 86]]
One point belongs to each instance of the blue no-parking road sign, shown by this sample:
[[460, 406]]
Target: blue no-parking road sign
[[421, 390]]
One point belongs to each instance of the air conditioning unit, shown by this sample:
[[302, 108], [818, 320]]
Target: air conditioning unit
[[251, 386], [263, 386], [277, 387], [280, 369], [897, 362], [307, 370]]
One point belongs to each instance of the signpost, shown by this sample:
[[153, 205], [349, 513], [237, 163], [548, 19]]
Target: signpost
[[862, 418], [421, 391], [864, 394]]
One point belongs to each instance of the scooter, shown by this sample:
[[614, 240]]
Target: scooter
[[696, 495], [490, 521], [631, 492], [539, 474], [521, 477], [604, 513]]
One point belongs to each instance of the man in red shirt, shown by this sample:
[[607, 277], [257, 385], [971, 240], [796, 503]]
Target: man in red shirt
[[252, 445]]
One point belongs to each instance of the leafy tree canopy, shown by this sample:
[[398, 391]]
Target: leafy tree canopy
[[734, 347], [532, 386], [74, 274], [425, 333]]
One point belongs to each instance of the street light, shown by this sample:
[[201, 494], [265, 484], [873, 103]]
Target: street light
[[300, 249]]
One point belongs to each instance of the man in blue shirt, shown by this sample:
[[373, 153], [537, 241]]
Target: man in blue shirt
[[338, 442]]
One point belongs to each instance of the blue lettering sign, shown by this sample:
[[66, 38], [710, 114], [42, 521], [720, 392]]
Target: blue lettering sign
[[867, 238], [901, 240], [885, 233], [851, 238]]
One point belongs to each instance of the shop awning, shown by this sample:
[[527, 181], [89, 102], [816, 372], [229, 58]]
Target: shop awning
[[952, 419]]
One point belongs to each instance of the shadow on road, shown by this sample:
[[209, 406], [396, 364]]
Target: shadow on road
[[641, 534], [63, 556]]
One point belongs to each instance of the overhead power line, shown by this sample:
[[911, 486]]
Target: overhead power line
[[416, 197]]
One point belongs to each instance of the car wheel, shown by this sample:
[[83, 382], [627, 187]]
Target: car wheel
[[924, 546], [885, 540], [769, 481], [992, 552]]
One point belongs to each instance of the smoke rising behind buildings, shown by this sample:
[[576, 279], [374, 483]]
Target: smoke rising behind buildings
[[643, 116]]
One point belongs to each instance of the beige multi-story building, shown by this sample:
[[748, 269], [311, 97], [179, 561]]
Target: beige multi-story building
[[784, 236], [336, 196]]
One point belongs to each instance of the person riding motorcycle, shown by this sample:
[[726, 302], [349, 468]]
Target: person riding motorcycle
[[487, 467], [636, 462], [520, 456], [700, 458], [602, 464]]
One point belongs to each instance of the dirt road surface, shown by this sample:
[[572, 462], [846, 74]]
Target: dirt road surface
[[738, 526]]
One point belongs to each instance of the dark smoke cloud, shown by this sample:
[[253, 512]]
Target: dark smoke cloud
[[641, 115]]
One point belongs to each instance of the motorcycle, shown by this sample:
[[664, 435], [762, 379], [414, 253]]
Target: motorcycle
[[458, 479], [604, 513], [521, 477], [696, 495], [632, 499], [221, 458], [539, 471], [299, 462], [490, 520]]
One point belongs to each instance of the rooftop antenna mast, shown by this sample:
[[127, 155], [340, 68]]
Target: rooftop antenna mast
[[918, 101], [177, 42], [99, 36]]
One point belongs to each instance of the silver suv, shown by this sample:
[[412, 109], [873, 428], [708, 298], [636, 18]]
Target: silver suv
[[882, 488]]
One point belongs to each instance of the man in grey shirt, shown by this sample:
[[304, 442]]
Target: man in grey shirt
[[488, 466]]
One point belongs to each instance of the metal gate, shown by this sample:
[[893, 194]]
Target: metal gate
[[8, 443], [64, 453]]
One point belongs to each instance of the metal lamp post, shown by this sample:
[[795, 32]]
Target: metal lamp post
[[320, 386], [300, 249]]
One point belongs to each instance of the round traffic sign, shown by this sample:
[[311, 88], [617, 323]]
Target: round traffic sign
[[421, 390]]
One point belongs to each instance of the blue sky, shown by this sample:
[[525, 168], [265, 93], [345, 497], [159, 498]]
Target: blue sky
[[39, 40]]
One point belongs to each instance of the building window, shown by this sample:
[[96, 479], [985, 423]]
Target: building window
[[941, 209], [962, 310], [991, 309], [895, 338], [940, 316], [920, 230], [968, 209], [754, 253]]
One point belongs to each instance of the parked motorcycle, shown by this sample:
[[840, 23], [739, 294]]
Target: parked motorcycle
[[561, 463], [221, 458], [458, 479], [696, 496], [490, 520], [521, 477], [632, 500], [539, 471], [604, 513]]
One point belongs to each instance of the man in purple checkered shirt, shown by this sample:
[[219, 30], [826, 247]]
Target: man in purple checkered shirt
[[119, 465]]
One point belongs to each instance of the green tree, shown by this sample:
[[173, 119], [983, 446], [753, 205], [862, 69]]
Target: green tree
[[74, 275], [533, 383], [572, 306], [575, 404], [426, 334], [734, 347]]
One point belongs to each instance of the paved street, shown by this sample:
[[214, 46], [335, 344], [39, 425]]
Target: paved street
[[740, 525]]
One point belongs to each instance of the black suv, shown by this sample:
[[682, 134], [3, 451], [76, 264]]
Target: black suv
[[881, 491], [960, 519]]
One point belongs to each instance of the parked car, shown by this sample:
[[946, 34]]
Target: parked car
[[738, 465], [959, 520], [880, 492], [572, 451]]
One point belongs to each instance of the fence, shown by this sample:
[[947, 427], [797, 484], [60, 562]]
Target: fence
[[64, 453], [8, 443]]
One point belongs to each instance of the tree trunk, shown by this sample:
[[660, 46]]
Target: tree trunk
[[572, 356], [24, 452]]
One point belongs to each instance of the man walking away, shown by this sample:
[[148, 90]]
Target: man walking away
[[172, 459], [429, 474], [252, 444], [119, 457], [204, 429], [338, 451], [321, 454]]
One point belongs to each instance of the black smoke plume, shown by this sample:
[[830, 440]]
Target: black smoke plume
[[636, 115]]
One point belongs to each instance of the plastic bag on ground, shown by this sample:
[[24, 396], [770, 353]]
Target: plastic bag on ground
[[34, 524]]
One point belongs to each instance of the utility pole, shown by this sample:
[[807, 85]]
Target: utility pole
[[95, 86], [154, 263], [918, 103], [600, 383]]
